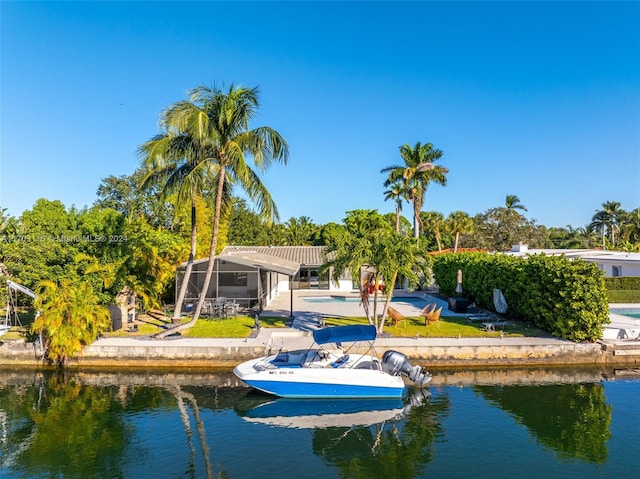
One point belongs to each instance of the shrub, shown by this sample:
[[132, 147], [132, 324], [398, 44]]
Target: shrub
[[567, 298]]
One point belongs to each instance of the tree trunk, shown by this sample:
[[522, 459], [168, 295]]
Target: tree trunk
[[212, 260], [187, 274], [455, 246]]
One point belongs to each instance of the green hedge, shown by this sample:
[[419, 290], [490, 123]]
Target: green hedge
[[623, 282], [567, 298], [624, 296]]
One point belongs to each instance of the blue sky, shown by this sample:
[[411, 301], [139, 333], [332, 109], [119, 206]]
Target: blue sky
[[536, 99]]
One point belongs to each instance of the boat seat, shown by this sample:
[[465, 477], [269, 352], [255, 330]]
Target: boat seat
[[288, 360], [340, 361], [368, 365]]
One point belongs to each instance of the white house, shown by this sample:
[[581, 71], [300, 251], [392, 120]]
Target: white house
[[613, 263]]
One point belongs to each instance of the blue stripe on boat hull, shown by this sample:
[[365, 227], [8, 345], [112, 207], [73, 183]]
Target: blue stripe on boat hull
[[320, 390]]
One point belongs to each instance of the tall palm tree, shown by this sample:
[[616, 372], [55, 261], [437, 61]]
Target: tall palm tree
[[219, 120], [416, 174], [607, 220], [512, 203], [397, 193], [173, 160], [459, 223]]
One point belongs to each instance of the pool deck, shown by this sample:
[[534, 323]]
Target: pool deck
[[180, 352]]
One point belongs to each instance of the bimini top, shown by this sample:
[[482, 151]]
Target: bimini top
[[338, 334]]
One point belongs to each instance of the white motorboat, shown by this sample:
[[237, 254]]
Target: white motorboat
[[336, 372]]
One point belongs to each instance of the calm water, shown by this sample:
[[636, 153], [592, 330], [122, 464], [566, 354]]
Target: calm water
[[514, 423], [633, 313]]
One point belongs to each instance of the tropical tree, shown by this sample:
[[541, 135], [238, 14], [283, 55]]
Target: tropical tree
[[459, 223], [435, 222], [397, 193], [70, 318], [219, 120], [374, 254], [175, 161], [299, 231], [631, 226], [607, 220], [512, 204], [416, 174]]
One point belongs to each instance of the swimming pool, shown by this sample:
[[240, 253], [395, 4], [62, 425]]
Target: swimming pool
[[413, 300], [631, 312]]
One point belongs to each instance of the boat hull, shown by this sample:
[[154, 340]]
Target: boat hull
[[321, 382]]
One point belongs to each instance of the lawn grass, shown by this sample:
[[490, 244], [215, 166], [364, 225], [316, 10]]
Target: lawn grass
[[448, 327], [242, 326]]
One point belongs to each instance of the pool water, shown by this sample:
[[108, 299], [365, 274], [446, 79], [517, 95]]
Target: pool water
[[632, 313], [346, 299]]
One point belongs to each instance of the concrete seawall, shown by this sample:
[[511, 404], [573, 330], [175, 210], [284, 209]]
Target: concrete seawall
[[435, 352]]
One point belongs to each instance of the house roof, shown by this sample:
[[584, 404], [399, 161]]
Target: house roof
[[302, 255], [280, 259], [585, 254], [262, 261]]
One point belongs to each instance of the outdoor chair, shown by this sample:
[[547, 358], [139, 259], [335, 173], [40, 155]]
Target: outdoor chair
[[481, 317], [427, 311], [433, 317], [396, 316], [230, 307]]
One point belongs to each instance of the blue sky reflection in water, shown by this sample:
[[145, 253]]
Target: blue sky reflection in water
[[74, 428]]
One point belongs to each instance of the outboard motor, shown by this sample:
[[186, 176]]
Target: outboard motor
[[397, 364]]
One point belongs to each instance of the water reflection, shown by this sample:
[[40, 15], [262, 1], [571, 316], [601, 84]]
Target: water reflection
[[111, 425], [63, 429], [362, 438], [574, 419]]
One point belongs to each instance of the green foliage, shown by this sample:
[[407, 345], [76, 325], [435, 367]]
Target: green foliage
[[573, 420], [566, 298], [622, 282], [70, 318], [624, 296], [623, 289], [68, 430], [499, 228]]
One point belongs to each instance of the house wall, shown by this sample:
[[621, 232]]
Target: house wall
[[624, 268]]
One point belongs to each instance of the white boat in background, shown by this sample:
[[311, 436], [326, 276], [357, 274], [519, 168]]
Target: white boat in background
[[334, 372]]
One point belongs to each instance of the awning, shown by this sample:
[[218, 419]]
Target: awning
[[262, 261]]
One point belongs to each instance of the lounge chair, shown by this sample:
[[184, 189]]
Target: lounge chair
[[498, 323], [481, 317], [396, 316], [433, 317]]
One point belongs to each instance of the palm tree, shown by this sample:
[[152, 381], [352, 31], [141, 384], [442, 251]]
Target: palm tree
[[299, 231], [384, 255], [434, 221], [173, 160], [459, 223], [607, 220], [219, 120], [70, 318], [416, 174], [397, 193], [512, 203]]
